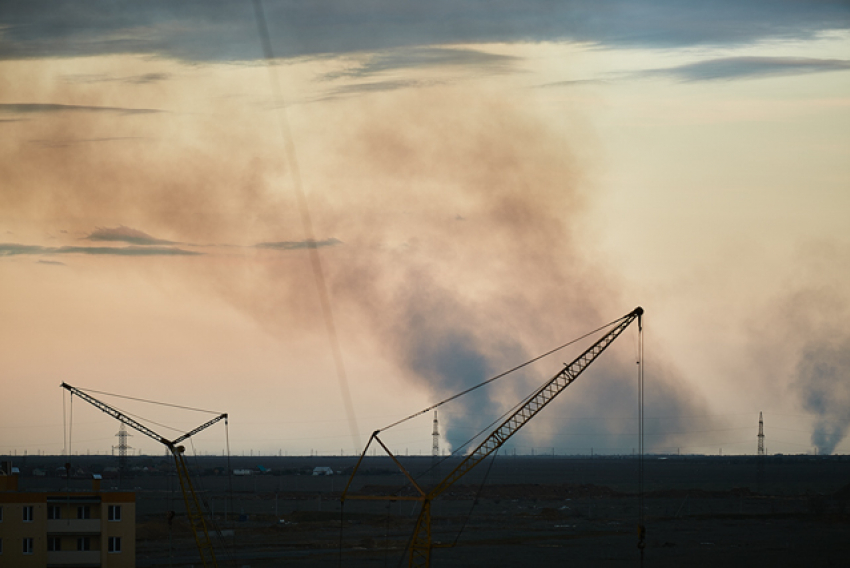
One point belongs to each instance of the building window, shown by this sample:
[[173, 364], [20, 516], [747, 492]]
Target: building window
[[1, 546], [84, 512], [54, 543], [27, 546], [115, 544], [1, 514], [114, 512], [54, 512], [84, 543], [27, 513]]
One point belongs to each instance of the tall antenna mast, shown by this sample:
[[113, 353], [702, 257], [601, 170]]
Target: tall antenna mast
[[761, 435], [435, 438], [435, 450]]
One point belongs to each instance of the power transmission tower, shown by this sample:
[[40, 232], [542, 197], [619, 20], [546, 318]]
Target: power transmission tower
[[122, 448]]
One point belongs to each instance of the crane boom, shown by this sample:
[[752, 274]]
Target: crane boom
[[194, 511], [534, 404], [117, 414], [420, 544]]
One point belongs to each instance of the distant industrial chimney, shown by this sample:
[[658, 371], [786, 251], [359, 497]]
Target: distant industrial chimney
[[761, 435]]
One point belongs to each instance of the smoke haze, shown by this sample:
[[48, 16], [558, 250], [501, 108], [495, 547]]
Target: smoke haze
[[466, 219], [448, 242]]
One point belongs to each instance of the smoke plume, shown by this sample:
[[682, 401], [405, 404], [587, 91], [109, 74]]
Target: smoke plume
[[823, 380], [446, 219]]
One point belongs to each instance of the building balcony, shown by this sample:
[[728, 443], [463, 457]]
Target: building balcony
[[73, 558], [73, 526]]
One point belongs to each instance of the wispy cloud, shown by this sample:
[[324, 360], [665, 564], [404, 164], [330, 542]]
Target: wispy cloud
[[126, 235], [27, 108], [731, 68], [430, 57], [14, 249], [573, 83], [142, 79], [293, 245], [373, 87], [51, 262], [65, 142]]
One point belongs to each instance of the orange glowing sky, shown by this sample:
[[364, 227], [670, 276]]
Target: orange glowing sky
[[480, 192]]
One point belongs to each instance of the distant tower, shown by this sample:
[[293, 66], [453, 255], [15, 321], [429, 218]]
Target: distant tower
[[435, 439], [435, 451], [761, 435], [122, 448]]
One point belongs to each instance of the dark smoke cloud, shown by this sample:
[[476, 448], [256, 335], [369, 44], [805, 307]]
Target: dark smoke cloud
[[805, 344], [455, 303], [823, 381], [446, 303]]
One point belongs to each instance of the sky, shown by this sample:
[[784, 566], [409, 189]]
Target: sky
[[324, 217]]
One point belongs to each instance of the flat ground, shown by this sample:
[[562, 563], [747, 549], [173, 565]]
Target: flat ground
[[541, 511]]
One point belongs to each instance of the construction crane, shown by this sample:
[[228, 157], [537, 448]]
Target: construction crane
[[194, 511], [420, 544]]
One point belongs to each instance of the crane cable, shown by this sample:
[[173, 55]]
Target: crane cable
[[64, 426], [70, 424], [216, 529], [503, 374], [148, 401], [500, 418], [641, 527]]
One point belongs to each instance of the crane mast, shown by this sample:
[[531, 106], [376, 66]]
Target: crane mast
[[420, 546], [194, 511]]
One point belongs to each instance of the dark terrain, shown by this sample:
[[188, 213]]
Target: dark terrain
[[540, 511]]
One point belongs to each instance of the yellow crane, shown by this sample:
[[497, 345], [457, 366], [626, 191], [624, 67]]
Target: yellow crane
[[420, 543], [194, 511]]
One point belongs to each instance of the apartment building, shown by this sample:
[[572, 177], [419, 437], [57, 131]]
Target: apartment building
[[79, 529]]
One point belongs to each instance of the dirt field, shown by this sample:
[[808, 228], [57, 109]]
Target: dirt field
[[540, 511]]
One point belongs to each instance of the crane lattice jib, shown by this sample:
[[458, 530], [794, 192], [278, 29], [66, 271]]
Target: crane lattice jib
[[118, 415], [535, 403], [194, 511], [199, 428]]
